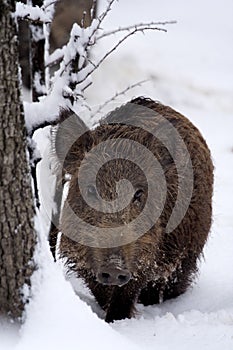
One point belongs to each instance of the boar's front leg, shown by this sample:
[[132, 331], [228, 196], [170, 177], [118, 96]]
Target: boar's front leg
[[121, 304]]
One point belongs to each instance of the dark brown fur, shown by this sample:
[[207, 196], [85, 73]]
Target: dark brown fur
[[162, 264]]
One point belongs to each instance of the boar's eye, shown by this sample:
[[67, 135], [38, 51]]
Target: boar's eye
[[92, 191], [138, 195]]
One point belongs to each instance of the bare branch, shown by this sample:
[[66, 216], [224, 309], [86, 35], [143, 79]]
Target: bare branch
[[100, 18], [90, 71], [140, 27], [74, 75], [91, 62], [117, 94], [75, 94], [104, 14], [58, 55]]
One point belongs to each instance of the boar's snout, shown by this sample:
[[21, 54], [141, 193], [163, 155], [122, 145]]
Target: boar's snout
[[113, 275]]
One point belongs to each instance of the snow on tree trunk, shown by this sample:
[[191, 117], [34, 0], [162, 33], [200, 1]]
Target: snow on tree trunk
[[17, 236]]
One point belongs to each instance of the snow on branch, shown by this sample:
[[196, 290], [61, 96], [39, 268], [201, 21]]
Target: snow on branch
[[74, 76], [93, 9], [65, 89], [31, 13], [58, 55], [88, 71]]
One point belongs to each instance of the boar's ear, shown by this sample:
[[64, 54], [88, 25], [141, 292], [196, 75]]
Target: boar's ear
[[71, 140]]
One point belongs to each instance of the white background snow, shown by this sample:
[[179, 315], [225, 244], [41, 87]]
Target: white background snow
[[191, 69]]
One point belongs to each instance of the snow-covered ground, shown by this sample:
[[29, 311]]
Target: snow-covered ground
[[191, 69]]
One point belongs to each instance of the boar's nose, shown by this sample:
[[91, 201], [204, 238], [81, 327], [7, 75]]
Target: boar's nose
[[113, 276]]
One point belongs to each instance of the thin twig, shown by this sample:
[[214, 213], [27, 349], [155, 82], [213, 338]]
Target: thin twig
[[83, 19], [104, 14], [114, 48], [50, 4], [140, 26], [93, 9], [117, 94], [90, 61], [101, 17]]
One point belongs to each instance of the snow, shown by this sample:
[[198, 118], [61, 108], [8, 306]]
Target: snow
[[55, 300], [46, 110], [191, 69], [34, 13]]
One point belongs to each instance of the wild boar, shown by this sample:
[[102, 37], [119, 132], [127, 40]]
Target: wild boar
[[139, 205]]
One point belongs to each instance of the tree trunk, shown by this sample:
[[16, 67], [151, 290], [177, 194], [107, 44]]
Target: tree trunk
[[37, 57], [17, 235], [67, 12]]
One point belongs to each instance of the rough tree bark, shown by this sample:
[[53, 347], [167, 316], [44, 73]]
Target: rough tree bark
[[17, 236]]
